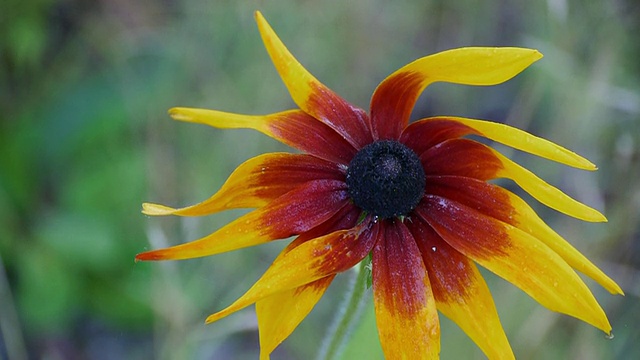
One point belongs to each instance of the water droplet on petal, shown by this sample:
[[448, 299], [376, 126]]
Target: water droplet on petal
[[433, 248], [609, 336]]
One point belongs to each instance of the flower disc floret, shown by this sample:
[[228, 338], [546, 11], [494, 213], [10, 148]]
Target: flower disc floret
[[386, 179]]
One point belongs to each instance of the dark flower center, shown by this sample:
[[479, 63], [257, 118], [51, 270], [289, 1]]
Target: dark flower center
[[386, 179]]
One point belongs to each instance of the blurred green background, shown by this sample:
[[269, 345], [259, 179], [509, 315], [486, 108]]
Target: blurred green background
[[85, 139]]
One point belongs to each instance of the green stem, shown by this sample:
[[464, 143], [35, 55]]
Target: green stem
[[348, 315]]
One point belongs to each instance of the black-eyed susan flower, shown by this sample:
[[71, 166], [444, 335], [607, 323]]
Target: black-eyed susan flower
[[414, 196]]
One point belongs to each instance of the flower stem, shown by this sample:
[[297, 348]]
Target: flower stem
[[348, 314]]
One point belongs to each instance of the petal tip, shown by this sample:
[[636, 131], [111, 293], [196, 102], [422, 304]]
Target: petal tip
[[156, 209], [212, 318], [180, 114], [150, 256], [617, 290], [537, 55], [598, 217]]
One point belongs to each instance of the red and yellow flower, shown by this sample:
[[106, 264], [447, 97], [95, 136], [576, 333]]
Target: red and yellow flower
[[414, 196]]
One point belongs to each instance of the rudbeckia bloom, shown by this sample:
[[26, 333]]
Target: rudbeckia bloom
[[413, 195]]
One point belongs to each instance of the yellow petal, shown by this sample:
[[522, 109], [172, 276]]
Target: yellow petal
[[524, 141], [312, 260], [531, 223], [477, 316], [515, 256], [293, 213], [473, 65], [507, 207], [279, 314], [545, 193], [256, 182], [406, 313], [469, 158], [393, 100], [313, 97], [294, 128], [460, 292]]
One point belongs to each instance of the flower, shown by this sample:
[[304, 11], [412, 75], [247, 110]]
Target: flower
[[414, 196]]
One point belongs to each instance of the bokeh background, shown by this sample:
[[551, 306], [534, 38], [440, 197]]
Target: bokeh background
[[85, 139]]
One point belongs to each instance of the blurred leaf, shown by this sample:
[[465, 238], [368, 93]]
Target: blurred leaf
[[82, 242], [48, 293]]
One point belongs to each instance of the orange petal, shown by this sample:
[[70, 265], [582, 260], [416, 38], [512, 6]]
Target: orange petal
[[295, 212], [507, 207], [311, 96], [294, 128], [406, 312], [312, 260], [515, 256], [460, 292], [393, 100], [256, 182], [279, 314]]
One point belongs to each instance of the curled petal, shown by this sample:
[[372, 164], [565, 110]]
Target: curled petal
[[460, 292], [469, 158], [313, 97], [507, 207], [406, 312], [256, 182], [393, 100], [293, 127], [314, 259], [295, 212], [515, 256]]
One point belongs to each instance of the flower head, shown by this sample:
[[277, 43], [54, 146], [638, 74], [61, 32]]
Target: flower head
[[414, 196]]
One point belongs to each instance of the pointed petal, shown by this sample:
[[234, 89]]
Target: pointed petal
[[515, 256], [393, 100], [460, 292], [257, 182], [469, 158], [507, 207], [406, 313], [311, 96], [279, 314], [294, 128], [312, 260], [545, 193], [293, 213], [511, 137], [531, 223]]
